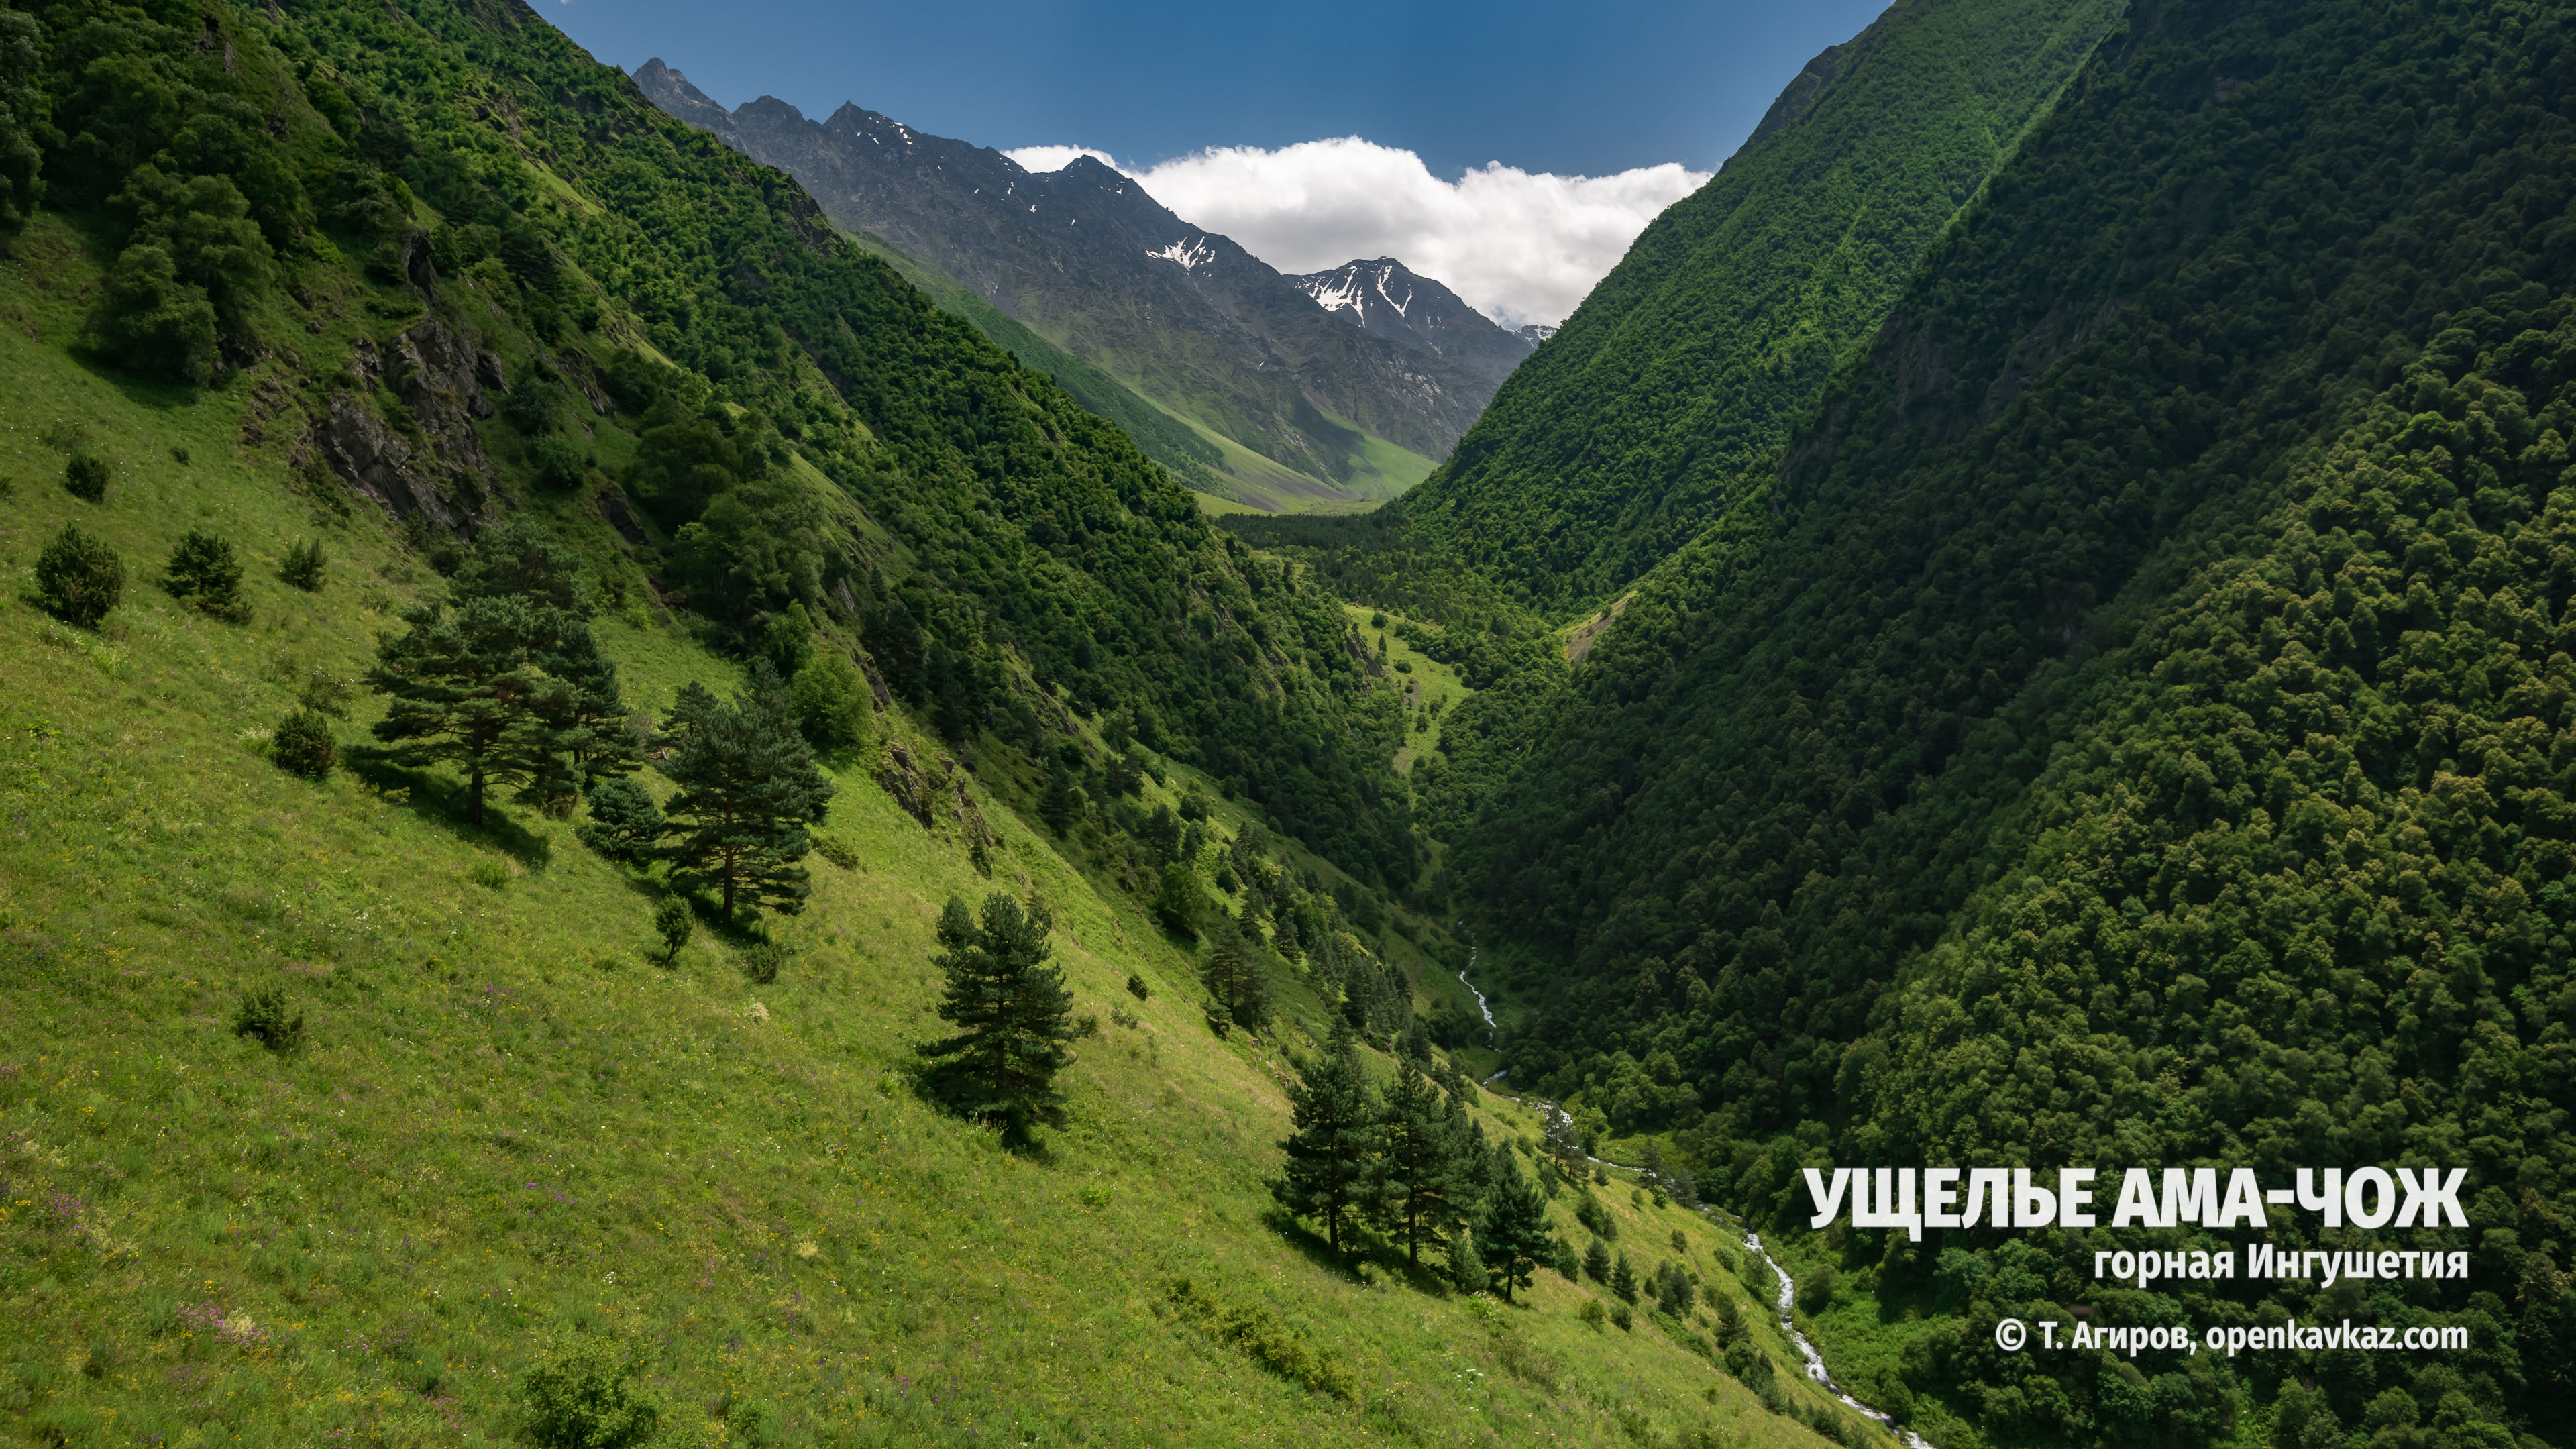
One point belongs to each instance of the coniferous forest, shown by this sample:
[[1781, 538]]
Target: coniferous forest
[[616, 829]]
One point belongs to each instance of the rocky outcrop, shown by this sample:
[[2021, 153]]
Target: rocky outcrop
[[436, 466]]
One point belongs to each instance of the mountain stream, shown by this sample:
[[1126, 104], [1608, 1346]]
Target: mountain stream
[[1806, 1347]]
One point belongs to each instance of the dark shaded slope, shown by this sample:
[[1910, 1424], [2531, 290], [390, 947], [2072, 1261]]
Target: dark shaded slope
[[1668, 391], [2131, 728], [1085, 257]]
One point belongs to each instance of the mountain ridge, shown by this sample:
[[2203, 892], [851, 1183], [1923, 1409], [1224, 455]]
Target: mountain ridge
[[1181, 314]]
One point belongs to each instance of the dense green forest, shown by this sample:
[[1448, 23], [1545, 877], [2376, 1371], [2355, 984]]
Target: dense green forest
[[2127, 729], [1669, 390]]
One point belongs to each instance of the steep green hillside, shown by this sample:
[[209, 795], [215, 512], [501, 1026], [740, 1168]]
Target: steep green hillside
[[547, 245], [2127, 730], [1669, 390]]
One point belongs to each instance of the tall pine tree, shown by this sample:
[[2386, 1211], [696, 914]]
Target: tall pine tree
[[748, 789], [1415, 1175], [1332, 1139], [465, 687], [581, 706], [1514, 1237], [1012, 1014], [503, 679]]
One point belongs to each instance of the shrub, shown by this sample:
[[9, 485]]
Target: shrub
[[150, 320], [589, 1400], [1817, 1293], [1466, 1268], [1593, 1314], [263, 1014], [327, 691], [762, 962], [559, 464], [1621, 1315], [304, 745], [304, 565], [831, 700], [79, 578], [85, 477], [838, 851], [204, 570], [1136, 986], [675, 923]]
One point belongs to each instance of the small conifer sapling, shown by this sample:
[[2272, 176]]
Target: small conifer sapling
[[79, 578]]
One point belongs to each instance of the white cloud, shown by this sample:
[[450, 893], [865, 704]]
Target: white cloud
[[1056, 158], [1522, 247]]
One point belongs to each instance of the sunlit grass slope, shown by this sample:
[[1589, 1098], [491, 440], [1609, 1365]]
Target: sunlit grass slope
[[513, 1130]]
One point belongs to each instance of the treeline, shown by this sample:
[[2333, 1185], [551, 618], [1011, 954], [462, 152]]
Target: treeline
[[2133, 737]]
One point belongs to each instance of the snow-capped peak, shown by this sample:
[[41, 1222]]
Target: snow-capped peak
[[1187, 254]]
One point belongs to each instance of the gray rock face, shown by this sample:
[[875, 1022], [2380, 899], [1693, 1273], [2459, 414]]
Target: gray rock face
[[443, 474]]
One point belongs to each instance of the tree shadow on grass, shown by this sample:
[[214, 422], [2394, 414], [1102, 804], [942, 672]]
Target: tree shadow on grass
[[1312, 1244], [440, 800]]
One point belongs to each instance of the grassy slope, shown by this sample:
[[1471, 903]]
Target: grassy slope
[[511, 1130]]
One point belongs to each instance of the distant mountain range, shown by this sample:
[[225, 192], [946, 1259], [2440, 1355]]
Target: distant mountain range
[[1387, 299], [1253, 384]]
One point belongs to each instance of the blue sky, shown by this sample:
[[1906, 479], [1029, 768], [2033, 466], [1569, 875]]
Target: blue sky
[[1576, 90]]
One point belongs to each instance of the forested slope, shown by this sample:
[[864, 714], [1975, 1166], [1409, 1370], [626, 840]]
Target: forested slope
[[2128, 729], [477, 156], [1669, 389]]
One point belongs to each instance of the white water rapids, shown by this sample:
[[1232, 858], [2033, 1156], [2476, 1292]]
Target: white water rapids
[[1815, 1359]]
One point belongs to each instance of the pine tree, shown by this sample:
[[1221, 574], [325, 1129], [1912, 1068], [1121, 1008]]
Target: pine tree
[[625, 825], [1414, 1179], [1678, 1291], [464, 688], [1058, 806], [304, 565], [79, 578], [205, 570], [1239, 984], [503, 680], [1331, 1142], [1467, 1270], [1623, 1280], [748, 789], [1012, 1014], [1514, 1237], [1596, 1261], [581, 705], [1178, 901]]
